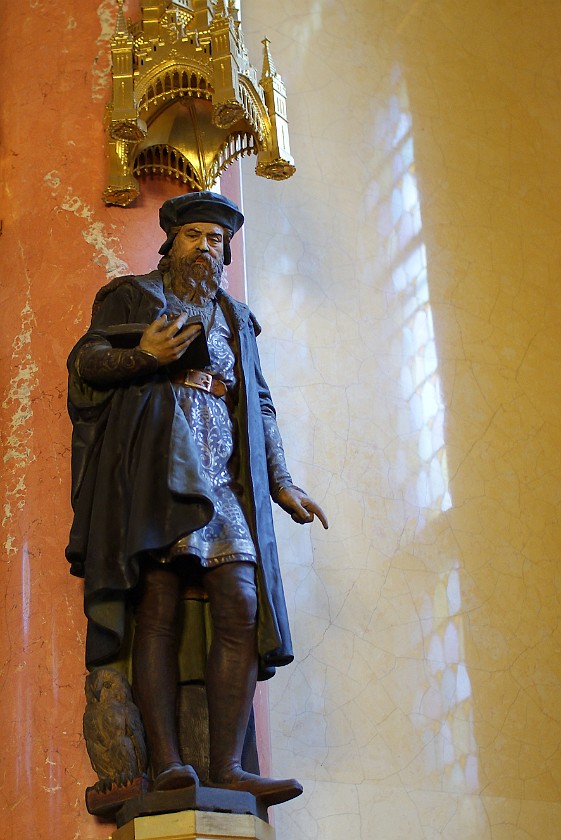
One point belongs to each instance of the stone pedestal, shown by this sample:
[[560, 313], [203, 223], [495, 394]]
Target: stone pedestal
[[195, 825], [196, 813]]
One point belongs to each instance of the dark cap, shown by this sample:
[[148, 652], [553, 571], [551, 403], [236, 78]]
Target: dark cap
[[200, 207]]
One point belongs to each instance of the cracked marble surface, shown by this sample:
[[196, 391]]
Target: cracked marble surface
[[406, 277]]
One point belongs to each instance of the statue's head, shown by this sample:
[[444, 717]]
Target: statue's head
[[207, 207]]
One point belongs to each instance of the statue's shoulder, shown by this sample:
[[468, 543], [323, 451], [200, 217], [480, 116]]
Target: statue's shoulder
[[132, 284], [240, 312]]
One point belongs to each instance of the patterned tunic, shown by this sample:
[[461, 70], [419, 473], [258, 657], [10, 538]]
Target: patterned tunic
[[226, 538]]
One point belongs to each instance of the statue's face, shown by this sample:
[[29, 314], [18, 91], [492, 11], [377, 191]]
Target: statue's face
[[198, 238]]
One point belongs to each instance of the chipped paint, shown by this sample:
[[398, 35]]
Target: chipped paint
[[96, 236], [18, 454], [101, 70], [52, 179], [95, 233]]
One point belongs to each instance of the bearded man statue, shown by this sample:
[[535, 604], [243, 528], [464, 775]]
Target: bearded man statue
[[176, 456]]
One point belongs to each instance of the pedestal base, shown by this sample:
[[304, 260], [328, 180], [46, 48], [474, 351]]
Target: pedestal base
[[196, 825], [194, 799]]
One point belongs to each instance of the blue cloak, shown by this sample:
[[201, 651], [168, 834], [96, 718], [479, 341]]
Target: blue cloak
[[136, 482]]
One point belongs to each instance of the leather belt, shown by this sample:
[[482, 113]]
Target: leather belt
[[199, 379]]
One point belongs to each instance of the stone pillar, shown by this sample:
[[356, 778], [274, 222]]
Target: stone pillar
[[58, 243]]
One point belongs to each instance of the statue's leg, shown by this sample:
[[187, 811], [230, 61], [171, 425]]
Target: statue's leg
[[155, 673], [231, 672], [231, 680]]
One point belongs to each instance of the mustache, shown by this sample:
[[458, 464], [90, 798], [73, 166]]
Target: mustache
[[196, 277], [199, 267]]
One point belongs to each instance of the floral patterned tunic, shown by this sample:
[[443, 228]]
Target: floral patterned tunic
[[226, 538]]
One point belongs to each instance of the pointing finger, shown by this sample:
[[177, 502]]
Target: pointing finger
[[315, 509]]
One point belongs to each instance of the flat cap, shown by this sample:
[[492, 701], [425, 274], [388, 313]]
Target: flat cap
[[203, 206]]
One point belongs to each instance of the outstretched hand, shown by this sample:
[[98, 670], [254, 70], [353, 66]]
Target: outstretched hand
[[300, 506], [166, 340]]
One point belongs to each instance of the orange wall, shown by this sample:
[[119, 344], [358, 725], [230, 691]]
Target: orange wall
[[59, 243]]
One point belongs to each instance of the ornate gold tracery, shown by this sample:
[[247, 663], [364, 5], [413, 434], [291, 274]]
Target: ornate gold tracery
[[187, 102]]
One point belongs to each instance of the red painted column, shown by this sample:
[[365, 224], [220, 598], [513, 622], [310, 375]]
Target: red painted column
[[59, 243]]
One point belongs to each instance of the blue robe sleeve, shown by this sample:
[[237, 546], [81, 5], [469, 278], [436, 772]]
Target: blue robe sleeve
[[279, 476]]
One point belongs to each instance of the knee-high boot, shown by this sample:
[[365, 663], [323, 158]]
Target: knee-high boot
[[231, 680], [155, 676]]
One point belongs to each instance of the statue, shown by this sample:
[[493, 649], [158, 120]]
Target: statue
[[176, 455]]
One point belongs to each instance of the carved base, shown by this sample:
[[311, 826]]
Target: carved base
[[276, 170], [196, 825], [120, 196], [198, 799]]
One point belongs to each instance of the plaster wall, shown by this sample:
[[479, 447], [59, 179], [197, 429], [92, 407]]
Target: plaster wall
[[407, 277]]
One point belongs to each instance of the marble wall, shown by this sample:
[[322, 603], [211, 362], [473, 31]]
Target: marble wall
[[407, 278]]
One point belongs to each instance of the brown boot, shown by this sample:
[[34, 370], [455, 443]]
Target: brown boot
[[155, 676], [176, 777], [268, 791], [231, 680]]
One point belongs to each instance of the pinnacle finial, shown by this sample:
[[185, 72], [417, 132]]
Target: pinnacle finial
[[269, 69], [120, 25]]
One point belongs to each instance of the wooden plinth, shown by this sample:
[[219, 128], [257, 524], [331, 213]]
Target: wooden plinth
[[196, 825]]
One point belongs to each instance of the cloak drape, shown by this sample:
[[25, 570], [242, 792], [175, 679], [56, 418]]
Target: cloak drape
[[137, 485]]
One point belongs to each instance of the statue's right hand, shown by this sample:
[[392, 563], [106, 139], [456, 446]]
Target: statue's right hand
[[167, 340]]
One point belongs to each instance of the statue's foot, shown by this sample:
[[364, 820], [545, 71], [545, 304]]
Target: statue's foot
[[175, 777], [268, 791]]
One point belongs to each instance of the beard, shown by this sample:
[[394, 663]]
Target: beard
[[196, 279]]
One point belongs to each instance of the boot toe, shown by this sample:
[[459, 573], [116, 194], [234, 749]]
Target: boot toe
[[175, 777], [267, 791]]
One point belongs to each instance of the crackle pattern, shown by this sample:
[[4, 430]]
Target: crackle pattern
[[406, 277]]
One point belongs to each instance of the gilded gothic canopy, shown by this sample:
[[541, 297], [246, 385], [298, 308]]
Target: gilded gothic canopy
[[186, 100]]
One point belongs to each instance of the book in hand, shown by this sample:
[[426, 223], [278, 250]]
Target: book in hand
[[196, 356]]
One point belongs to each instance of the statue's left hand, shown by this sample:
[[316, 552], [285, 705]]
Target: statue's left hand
[[300, 506]]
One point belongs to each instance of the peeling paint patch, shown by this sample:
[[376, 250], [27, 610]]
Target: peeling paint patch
[[101, 70], [18, 454], [74, 205], [95, 233], [96, 236], [52, 180]]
